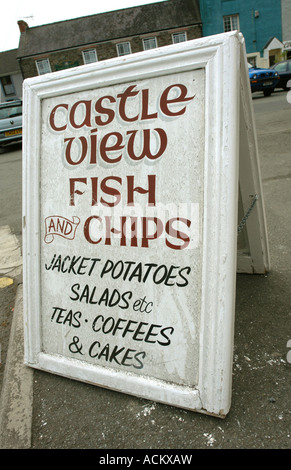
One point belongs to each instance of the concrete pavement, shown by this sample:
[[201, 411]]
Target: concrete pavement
[[17, 390], [17, 393], [44, 411]]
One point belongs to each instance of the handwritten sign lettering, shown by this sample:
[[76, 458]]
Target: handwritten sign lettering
[[60, 226], [130, 222], [118, 262]]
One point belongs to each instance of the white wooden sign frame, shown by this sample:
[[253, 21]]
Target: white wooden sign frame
[[227, 108]]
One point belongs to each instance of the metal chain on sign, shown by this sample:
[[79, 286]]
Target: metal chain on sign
[[248, 213]]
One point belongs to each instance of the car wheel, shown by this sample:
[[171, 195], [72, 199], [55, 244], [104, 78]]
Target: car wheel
[[268, 92]]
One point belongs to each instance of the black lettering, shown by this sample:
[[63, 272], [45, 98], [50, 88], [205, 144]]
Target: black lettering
[[139, 331], [82, 266], [165, 336], [92, 347], [74, 288], [136, 357], [150, 333], [115, 353], [94, 328], [127, 357], [104, 352], [188, 270], [74, 261], [52, 261]]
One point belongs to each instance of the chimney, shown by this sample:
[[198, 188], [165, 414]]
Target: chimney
[[23, 26]]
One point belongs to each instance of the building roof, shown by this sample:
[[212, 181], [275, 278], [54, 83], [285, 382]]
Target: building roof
[[8, 63], [108, 26], [274, 43]]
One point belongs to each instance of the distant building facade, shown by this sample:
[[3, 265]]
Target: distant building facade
[[71, 43], [286, 28], [260, 22], [10, 76]]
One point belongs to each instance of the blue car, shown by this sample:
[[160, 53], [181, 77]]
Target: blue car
[[264, 80]]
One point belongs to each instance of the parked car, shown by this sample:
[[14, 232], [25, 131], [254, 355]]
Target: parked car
[[284, 70], [10, 122], [264, 80]]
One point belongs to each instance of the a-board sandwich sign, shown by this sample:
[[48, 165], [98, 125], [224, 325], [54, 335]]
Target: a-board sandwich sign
[[130, 218]]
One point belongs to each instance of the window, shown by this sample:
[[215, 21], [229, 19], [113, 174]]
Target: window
[[123, 48], [66, 65], [43, 66], [231, 23], [89, 56], [179, 37], [253, 60], [7, 111], [149, 43], [7, 85], [282, 67]]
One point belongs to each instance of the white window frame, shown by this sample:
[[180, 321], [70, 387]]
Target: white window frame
[[8, 87], [232, 20], [252, 60], [181, 36], [41, 69], [90, 54], [122, 45], [149, 42]]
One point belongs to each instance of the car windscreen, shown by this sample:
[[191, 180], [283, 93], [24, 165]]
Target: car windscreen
[[10, 112]]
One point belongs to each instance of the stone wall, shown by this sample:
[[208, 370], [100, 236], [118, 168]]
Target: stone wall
[[73, 57]]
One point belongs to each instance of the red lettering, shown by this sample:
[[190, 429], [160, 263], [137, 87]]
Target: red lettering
[[123, 99], [107, 111], [146, 236], [87, 118], [52, 118], [115, 231], [133, 228], [151, 191], [104, 148], [84, 148], [165, 100], [177, 234], [75, 191], [87, 229], [51, 226], [145, 106], [93, 140], [151, 228], [80, 113], [111, 191], [146, 152], [94, 182]]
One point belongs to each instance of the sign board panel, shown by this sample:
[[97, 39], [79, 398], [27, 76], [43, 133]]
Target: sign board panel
[[130, 222]]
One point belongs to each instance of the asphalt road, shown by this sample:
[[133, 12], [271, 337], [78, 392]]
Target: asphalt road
[[69, 414], [11, 187]]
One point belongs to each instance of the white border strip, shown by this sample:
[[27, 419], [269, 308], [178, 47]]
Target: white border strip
[[219, 56]]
